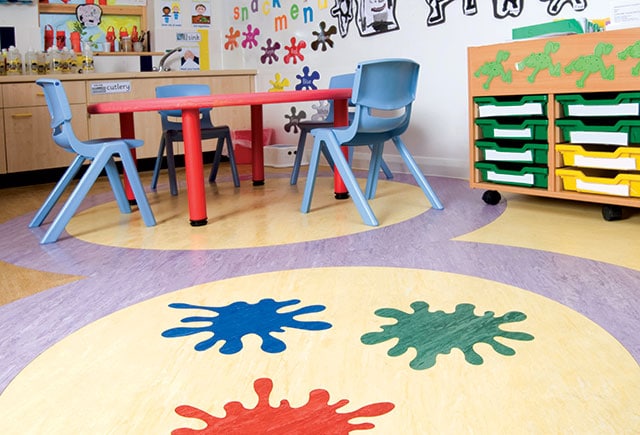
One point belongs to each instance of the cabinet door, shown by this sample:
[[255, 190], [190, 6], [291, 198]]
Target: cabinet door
[[29, 145]]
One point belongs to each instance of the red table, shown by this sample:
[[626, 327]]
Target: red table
[[192, 137]]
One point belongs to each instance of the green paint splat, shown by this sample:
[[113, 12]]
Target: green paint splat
[[591, 64], [495, 69], [632, 52], [541, 61], [431, 334]]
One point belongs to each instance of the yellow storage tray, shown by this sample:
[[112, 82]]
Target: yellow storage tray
[[622, 158], [600, 182]]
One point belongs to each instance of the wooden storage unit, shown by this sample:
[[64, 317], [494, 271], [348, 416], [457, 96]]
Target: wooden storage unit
[[26, 142], [27, 134], [508, 82]]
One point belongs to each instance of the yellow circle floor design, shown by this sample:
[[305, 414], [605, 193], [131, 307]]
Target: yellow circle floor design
[[121, 375], [246, 217]]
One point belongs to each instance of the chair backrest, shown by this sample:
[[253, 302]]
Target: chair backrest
[[183, 90], [60, 111], [387, 86], [338, 82]]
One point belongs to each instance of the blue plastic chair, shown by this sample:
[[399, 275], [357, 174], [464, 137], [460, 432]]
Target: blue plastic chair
[[336, 82], [100, 152], [383, 92], [172, 131]]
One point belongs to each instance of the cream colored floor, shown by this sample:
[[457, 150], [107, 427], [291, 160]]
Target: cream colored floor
[[120, 375], [555, 383]]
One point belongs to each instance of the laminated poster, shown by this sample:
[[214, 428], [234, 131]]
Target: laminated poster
[[201, 14], [170, 14]]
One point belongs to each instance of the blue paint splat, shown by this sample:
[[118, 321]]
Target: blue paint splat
[[307, 80], [241, 318], [431, 334]]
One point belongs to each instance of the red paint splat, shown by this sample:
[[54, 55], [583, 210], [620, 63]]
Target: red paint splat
[[316, 417]]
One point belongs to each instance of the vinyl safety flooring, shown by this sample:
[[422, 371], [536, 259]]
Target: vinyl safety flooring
[[516, 318]]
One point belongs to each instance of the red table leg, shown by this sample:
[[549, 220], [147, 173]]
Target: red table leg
[[127, 131], [194, 167], [257, 150], [340, 118]]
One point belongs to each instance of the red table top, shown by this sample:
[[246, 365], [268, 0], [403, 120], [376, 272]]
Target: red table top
[[219, 100]]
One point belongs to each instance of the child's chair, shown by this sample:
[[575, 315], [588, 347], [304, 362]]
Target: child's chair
[[172, 131], [383, 92], [100, 152]]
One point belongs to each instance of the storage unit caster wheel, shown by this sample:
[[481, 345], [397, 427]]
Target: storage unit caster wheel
[[491, 197], [611, 212]]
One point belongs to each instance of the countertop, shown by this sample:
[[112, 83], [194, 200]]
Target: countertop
[[24, 78]]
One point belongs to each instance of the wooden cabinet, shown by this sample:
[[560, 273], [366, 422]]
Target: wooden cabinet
[[27, 135], [147, 124], [3, 151], [523, 138]]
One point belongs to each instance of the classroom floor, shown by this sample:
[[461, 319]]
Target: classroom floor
[[515, 318]]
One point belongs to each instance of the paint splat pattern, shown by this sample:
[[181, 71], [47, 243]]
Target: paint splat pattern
[[238, 319], [316, 417], [434, 333]]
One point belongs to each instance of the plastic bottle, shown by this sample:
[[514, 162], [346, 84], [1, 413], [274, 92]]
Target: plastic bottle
[[42, 62], [87, 59], [55, 61], [73, 61], [64, 60], [14, 61], [31, 62]]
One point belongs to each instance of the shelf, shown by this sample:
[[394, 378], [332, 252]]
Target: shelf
[[70, 9], [128, 53]]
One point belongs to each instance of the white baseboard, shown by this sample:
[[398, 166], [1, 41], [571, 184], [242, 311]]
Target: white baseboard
[[440, 167]]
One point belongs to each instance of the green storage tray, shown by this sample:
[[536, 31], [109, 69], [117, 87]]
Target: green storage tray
[[529, 129], [521, 153], [516, 175], [623, 104], [623, 132], [528, 105]]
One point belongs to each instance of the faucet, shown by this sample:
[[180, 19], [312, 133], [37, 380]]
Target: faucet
[[164, 58]]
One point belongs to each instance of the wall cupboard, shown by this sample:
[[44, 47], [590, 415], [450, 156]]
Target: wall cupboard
[[26, 142], [558, 117]]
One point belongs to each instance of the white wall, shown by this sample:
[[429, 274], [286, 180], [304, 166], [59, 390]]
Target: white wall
[[438, 136]]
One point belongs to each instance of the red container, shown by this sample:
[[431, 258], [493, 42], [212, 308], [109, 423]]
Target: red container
[[48, 36], [242, 144]]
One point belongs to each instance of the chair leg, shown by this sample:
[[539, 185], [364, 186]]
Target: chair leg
[[136, 186], [314, 161], [216, 160], [75, 199], [158, 165], [335, 151], [116, 186], [232, 161], [383, 164], [417, 174], [374, 170], [171, 166], [57, 191], [298, 161]]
